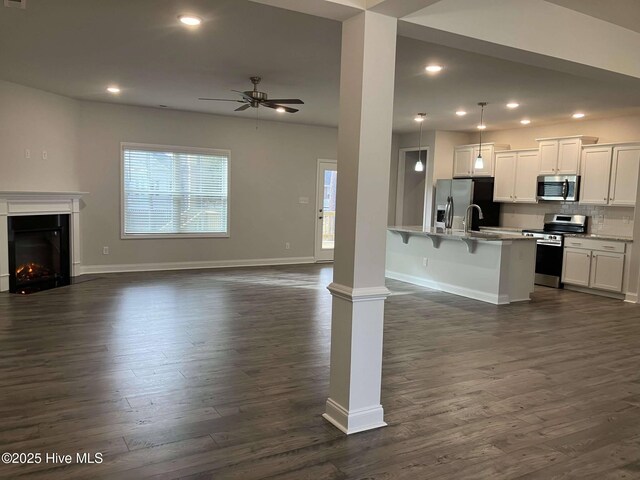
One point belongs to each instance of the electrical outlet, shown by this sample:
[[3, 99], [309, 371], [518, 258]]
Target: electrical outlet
[[27, 153], [303, 200], [105, 250], [287, 246], [44, 155], [425, 261]]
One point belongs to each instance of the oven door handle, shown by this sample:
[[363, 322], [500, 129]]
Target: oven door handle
[[549, 244]]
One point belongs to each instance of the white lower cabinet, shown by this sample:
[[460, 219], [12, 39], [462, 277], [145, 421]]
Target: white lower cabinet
[[576, 267], [606, 271], [594, 264]]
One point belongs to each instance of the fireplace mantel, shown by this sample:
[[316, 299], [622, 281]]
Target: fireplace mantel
[[39, 203]]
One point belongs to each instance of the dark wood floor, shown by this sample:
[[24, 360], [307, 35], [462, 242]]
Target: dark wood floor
[[224, 374]]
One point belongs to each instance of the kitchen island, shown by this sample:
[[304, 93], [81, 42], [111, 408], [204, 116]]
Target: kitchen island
[[493, 267]]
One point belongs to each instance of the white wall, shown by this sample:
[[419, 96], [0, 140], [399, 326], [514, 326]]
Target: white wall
[[271, 167], [441, 145], [36, 120], [614, 129]]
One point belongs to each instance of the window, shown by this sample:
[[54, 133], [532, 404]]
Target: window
[[174, 191]]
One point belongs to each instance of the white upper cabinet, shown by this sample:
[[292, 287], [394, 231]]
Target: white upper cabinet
[[595, 173], [526, 184], [488, 161], [505, 172], [569, 150], [609, 174], [464, 159], [561, 156], [624, 175], [516, 174], [548, 157]]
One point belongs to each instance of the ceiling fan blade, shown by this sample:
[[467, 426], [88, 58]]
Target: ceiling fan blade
[[220, 99], [290, 101], [243, 107], [275, 106], [245, 95]]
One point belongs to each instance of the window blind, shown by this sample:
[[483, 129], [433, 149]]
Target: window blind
[[173, 192]]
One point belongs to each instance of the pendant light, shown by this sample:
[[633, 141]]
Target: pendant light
[[420, 119], [479, 160]]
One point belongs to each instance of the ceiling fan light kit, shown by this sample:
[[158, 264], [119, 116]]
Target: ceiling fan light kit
[[254, 99]]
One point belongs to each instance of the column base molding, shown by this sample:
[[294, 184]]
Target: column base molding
[[358, 294], [356, 420]]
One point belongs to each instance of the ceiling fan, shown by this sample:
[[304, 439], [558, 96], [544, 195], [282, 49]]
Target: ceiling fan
[[254, 98]]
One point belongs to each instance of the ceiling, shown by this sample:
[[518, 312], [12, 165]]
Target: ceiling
[[624, 13], [78, 47]]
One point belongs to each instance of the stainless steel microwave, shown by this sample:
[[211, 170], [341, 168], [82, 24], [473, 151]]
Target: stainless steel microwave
[[564, 188]]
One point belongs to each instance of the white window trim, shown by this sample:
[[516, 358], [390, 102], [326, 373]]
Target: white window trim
[[179, 149]]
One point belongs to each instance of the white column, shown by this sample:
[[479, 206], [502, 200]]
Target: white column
[[358, 289]]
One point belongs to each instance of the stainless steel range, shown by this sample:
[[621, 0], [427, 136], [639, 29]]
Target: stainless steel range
[[550, 241]]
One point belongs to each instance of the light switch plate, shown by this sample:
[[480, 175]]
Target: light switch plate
[[303, 200]]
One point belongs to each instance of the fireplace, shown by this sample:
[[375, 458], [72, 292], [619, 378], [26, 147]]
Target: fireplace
[[60, 212], [39, 256]]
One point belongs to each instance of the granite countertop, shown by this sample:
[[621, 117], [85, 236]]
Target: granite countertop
[[501, 229], [492, 236], [597, 236]]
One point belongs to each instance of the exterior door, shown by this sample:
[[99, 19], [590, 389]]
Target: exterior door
[[325, 213]]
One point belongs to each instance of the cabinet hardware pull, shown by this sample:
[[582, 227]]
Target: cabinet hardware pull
[[609, 247]]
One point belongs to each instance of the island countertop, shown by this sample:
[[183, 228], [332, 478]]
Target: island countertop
[[483, 236]]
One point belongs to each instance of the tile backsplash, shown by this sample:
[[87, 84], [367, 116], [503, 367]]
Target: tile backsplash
[[602, 220]]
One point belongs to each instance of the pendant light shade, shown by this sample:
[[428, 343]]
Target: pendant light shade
[[479, 163], [419, 166]]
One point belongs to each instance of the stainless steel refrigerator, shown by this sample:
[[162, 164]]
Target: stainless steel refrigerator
[[454, 196]]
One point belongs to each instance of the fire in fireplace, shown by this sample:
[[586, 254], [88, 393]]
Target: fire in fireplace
[[38, 252]]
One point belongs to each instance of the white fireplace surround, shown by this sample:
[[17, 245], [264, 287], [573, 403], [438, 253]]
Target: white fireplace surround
[[39, 203]]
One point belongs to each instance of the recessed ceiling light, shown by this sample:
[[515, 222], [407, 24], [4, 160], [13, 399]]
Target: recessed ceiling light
[[525, 121], [113, 89], [578, 115], [280, 110], [434, 68], [461, 113], [513, 105], [481, 127], [420, 117], [190, 20]]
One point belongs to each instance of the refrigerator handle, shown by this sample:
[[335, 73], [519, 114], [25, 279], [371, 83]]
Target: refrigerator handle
[[446, 213], [449, 213]]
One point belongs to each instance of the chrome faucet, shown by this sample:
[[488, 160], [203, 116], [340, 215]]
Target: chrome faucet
[[468, 221]]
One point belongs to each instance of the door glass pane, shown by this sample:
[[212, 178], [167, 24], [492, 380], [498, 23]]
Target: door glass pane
[[329, 209]]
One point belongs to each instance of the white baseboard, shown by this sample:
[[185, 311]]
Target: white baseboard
[[593, 291], [155, 267], [631, 298], [445, 287]]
